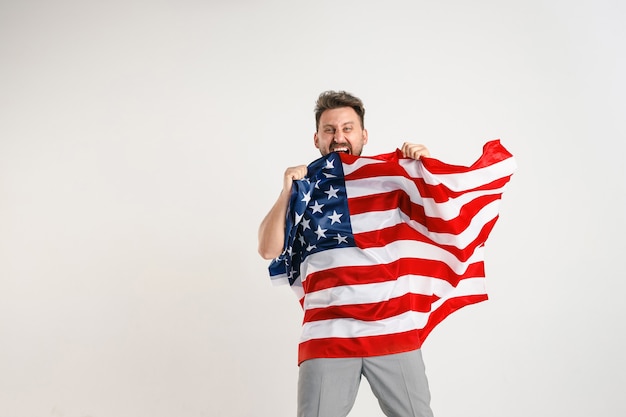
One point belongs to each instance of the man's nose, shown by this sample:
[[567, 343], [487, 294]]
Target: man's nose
[[338, 136]]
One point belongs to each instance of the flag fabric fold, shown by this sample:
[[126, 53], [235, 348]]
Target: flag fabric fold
[[381, 249]]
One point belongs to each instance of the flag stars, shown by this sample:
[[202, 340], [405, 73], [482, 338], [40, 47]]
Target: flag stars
[[317, 207], [334, 218], [320, 214], [320, 232], [332, 192], [341, 239]]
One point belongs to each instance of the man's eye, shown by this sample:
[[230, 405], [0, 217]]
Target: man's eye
[[347, 129], [328, 130]]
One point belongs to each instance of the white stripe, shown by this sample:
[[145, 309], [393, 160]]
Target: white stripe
[[352, 328], [283, 279], [346, 257], [377, 220], [411, 320], [360, 163], [297, 289], [446, 210], [456, 182], [463, 180], [279, 279], [379, 291], [380, 184]]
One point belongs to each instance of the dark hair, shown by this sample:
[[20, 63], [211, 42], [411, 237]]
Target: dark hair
[[335, 99]]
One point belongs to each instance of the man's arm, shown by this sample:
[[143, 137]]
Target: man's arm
[[272, 228]]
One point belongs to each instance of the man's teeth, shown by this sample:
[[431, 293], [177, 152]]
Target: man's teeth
[[341, 150]]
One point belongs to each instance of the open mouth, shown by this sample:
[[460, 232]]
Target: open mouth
[[341, 149]]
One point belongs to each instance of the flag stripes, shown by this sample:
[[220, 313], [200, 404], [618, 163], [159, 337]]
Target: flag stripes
[[381, 249]]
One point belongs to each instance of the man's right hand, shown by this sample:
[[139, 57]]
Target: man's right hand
[[293, 174], [272, 228]]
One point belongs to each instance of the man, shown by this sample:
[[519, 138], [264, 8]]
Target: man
[[328, 385]]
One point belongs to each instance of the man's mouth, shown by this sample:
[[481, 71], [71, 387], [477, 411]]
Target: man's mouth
[[343, 149]]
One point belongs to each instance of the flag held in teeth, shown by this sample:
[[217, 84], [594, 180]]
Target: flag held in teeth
[[379, 250]]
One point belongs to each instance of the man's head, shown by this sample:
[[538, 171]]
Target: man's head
[[339, 118]]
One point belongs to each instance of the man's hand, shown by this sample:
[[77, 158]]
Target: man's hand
[[272, 228], [414, 150], [293, 174]]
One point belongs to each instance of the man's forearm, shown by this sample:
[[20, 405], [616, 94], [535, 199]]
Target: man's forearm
[[272, 229]]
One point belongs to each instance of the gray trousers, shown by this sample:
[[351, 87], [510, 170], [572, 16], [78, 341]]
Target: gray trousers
[[327, 387]]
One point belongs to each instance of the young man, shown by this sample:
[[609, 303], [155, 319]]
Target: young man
[[328, 383]]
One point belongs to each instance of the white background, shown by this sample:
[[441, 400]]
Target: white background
[[142, 142]]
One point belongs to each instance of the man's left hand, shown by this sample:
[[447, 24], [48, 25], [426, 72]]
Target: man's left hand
[[414, 150]]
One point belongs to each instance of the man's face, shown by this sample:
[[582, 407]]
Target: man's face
[[340, 130]]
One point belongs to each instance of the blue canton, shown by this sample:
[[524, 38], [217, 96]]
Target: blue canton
[[317, 216]]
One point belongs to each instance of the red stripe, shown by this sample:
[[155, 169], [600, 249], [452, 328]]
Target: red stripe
[[399, 199], [354, 275], [402, 231], [447, 308], [374, 311], [439, 192], [359, 347], [493, 152], [381, 345]]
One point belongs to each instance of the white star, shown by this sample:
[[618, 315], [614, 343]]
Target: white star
[[332, 192], [335, 217], [317, 184], [305, 224], [320, 232], [301, 239], [307, 197], [330, 163], [310, 248], [317, 207], [341, 239], [327, 175], [298, 217]]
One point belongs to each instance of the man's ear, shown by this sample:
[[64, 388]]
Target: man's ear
[[365, 136], [315, 140]]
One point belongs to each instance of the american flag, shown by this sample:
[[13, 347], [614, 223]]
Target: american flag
[[379, 250]]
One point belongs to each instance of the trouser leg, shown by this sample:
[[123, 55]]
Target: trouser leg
[[399, 383], [327, 387]]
